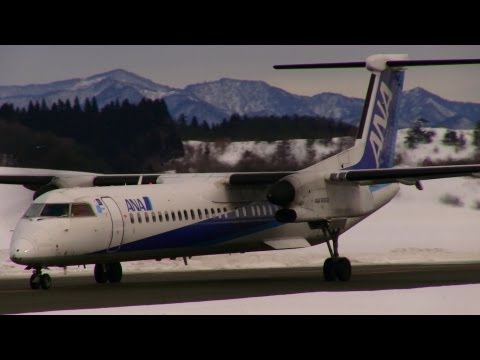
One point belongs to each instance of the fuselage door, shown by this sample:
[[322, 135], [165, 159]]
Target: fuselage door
[[117, 223]]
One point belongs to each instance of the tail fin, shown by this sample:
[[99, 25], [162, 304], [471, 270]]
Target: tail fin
[[377, 132]]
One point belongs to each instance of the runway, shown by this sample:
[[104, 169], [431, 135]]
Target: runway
[[81, 292]]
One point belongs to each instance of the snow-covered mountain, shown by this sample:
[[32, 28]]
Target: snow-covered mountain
[[106, 87], [248, 97], [419, 103], [213, 101]]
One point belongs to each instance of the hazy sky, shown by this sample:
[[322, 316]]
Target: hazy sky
[[180, 65]]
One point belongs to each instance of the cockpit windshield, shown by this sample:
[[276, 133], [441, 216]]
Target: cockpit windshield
[[34, 211], [59, 210], [55, 210]]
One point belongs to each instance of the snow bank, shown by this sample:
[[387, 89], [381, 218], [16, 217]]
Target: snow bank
[[425, 301]]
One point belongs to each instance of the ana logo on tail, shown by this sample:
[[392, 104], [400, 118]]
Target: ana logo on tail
[[377, 137]]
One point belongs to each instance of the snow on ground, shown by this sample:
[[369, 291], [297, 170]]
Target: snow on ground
[[435, 150], [232, 152], [15, 200], [424, 301]]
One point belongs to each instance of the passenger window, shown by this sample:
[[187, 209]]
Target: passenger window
[[252, 208], [139, 217], [173, 216], [264, 210], [179, 215], [199, 214], [147, 219], [237, 213], [259, 212], [212, 210], [80, 210], [185, 214], [192, 213], [160, 217], [154, 218], [132, 219], [207, 215], [166, 216]]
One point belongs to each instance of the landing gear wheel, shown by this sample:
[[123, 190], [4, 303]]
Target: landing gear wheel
[[100, 273], [343, 269], [329, 273], [45, 281], [114, 272], [35, 282], [335, 267]]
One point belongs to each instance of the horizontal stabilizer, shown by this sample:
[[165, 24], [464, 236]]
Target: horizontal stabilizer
[[390, 63], [404, 175]]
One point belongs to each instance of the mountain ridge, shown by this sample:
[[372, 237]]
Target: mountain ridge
[[213, 101]]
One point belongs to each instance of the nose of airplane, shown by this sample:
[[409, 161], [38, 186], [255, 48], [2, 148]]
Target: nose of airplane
[[21, 250]]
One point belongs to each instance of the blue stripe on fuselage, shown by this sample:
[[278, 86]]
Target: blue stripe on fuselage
[[207, 232]]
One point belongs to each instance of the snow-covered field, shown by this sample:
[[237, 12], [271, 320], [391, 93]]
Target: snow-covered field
[[434, 151], [454, 300], [231, 153]]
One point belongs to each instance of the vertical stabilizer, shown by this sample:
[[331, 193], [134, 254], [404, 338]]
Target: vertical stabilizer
[[377, 131]]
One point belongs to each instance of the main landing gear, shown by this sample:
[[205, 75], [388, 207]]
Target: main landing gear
[[111, 272], [335, 267], [39, 280]]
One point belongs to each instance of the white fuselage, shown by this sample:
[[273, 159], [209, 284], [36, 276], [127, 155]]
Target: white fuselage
[[185, 216]]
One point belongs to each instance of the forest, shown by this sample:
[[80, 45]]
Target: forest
[[132, 138]]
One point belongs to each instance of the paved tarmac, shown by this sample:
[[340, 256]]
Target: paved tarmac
[[82, 292]]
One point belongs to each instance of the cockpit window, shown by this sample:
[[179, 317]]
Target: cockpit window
[[34, 210], [79, 210], [55, 210]]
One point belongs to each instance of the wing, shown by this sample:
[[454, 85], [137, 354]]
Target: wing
[[407, 176], [34, 179]]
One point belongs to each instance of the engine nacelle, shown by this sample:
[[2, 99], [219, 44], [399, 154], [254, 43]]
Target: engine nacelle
[[307, 197], [281, 193]]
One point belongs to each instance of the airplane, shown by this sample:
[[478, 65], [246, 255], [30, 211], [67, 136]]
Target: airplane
[[87, 218]]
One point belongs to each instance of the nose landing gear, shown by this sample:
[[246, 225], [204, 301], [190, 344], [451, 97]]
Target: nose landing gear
[[39, 280]]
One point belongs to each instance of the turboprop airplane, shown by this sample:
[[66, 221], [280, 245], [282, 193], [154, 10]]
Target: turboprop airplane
[[78, 219]]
